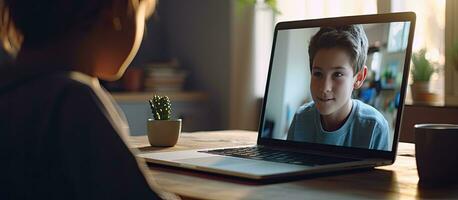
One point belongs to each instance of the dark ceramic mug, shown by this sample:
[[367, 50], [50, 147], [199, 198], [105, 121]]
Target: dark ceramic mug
[[436, 149]]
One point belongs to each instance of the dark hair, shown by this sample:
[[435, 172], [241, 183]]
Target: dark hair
[[351, 38], [39, 22]]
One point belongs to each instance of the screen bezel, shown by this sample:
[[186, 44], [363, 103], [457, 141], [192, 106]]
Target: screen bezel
[[316, 23]]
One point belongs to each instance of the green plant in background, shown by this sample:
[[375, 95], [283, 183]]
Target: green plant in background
[[388, 74], [423, 69], [161, 107], [272, 4]]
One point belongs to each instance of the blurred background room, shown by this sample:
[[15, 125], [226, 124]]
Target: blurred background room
[[211, 58]]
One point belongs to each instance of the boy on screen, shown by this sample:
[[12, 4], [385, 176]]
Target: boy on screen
[[337, 65]]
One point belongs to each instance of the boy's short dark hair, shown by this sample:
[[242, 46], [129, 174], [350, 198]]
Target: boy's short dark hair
[[39, 22], [352, 38]]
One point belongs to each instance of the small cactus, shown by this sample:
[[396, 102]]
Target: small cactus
[[160, 107]]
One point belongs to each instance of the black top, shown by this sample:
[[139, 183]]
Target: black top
[[60, 140]]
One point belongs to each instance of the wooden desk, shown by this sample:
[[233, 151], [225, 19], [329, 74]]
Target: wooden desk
[[398, 181]]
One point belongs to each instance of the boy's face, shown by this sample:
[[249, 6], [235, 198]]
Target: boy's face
[[333, 81]]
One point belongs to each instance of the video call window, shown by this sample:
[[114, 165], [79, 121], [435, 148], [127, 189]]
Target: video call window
[[337, 85]]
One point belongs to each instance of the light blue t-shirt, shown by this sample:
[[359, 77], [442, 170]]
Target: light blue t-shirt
[[365, 128]]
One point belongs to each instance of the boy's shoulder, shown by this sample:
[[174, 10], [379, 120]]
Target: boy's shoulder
[[19, 87], [367, 112], [34, 78], [306, 108]]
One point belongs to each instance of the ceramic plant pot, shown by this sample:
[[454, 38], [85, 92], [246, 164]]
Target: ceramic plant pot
[[421, 93], [163, 133]]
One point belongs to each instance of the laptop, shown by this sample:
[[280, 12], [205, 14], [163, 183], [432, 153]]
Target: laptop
[[294, 136]]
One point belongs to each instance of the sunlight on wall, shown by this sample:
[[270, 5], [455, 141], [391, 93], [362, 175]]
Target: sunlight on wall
[[309, 9], [429, 34]]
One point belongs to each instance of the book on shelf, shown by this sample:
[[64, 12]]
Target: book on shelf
[[164, 76]]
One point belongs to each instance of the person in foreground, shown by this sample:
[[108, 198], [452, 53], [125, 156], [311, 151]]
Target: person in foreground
[[337, 65], [61, 132]]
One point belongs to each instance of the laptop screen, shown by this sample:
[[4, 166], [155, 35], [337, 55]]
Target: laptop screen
[[339, 85]]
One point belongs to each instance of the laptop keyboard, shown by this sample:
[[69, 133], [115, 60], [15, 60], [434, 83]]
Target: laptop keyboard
[[275, 155]]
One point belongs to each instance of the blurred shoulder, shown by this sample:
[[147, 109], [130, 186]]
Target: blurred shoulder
[[306, 108], [369, 113]]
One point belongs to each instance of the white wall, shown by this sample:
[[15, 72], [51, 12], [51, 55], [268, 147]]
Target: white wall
[[274, 104], [290, 78]]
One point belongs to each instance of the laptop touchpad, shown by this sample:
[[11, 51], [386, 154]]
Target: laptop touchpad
[[241, 165]]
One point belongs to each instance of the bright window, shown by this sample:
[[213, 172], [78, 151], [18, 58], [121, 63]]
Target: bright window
[[429, 34]]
